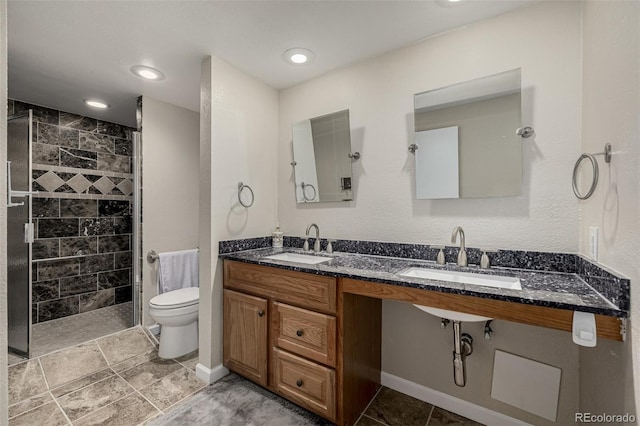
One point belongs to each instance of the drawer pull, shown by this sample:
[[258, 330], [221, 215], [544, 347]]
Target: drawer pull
[[299, 333], [260, 313], [299, 383]]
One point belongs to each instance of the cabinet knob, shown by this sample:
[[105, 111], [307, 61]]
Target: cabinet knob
[[260, 313], [299, 333], [299, 383]]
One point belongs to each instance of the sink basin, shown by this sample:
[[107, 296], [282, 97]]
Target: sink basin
[[495, 281], [299, 258], [461, 278], [452, 315]]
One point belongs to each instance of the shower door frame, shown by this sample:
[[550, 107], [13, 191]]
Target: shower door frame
[[136, 237], [28, 204]]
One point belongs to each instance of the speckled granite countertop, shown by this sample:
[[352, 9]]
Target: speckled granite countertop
[[542, 288]]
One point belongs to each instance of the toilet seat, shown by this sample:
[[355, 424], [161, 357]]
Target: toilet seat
[[176, 298]]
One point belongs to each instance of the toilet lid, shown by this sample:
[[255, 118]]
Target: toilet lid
[[176, 298]]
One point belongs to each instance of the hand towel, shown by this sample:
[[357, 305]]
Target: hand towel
[[177, 269]]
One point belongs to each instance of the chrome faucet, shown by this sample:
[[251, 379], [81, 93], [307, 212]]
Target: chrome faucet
[[316, 245], [462, 253]]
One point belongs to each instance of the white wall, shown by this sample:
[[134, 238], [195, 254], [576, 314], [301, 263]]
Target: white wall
[[4, 400], [170, 151], [239, 117], [545, 42], [611, 113]]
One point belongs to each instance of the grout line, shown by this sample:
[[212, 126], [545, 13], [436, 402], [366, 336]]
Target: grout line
[[44, 376], [60, 407], [367, 407], [430, 413], [101, 352], [105, 406], [371, 418], [30, 409]]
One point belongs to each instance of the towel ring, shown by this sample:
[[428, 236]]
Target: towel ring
[[304, 193], [242, 187], [596, 172]]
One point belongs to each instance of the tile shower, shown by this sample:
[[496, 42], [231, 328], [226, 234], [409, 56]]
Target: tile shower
[[82, 253]]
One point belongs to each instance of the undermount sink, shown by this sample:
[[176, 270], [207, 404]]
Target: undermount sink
[[307, 259], [470, 278], [495, 281]]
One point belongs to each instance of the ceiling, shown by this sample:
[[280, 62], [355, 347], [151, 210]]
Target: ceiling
[[61, 52]]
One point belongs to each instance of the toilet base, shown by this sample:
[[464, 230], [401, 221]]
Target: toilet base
[[176, 341]]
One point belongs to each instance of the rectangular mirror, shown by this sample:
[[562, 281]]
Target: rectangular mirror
[[321, 149], [465, 139]]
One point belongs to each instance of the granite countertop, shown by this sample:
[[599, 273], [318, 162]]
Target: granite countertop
[[542, 288]]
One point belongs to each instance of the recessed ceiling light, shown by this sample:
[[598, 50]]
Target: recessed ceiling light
[[95, 103], [298, 56], [147, 73]]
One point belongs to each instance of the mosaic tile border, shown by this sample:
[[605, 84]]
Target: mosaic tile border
[[53, 182]]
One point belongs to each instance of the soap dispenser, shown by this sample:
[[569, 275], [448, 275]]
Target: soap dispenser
[[276, 237]]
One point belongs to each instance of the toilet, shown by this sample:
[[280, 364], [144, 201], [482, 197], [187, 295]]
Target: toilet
[[177, 313]]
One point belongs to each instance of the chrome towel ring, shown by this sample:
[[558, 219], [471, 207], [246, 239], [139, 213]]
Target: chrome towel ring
[[596, 173], [304, 192], [242, 187]]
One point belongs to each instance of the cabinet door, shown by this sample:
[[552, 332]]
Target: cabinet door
[[245, 335]]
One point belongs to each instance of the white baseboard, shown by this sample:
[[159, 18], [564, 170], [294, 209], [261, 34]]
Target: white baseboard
[[154, 329], [448, 402], [210, 375]]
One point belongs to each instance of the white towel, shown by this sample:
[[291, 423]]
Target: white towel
[[177, 269]]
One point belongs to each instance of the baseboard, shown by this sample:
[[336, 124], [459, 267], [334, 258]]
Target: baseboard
[[210, 375], [448, 402], [154, 329]]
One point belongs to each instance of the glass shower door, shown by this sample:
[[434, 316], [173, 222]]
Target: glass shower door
[[19, 232]]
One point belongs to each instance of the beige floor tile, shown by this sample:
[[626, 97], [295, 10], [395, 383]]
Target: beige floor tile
[[172, 388], [29, 404], [93, 397], [14, 359], [73, 363], [130, 410], [126, 344], [396, 409], [136, 360], [368, 421], [151, 371], [25, 380], [189, 360], [81, 382], [47, 414]]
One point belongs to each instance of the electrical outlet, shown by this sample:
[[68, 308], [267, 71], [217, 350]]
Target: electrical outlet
[[593, 243]]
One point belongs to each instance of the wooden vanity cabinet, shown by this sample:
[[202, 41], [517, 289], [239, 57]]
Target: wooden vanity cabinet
[[284, 330]]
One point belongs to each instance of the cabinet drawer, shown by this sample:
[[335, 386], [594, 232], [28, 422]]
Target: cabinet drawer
[[298, 288], [306, 333], [304, 382]]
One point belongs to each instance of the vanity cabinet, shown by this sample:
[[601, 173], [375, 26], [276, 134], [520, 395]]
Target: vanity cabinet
[[295, 334]]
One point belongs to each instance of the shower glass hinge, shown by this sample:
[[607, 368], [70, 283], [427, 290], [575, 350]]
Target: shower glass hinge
[[28, 233]]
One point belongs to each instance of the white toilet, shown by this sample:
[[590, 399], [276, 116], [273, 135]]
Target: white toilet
[[177, 312]]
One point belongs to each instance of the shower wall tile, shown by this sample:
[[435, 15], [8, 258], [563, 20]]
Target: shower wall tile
[[123, 294], [45, 290], [123, 260], [45, 154], [52, 228], [79, 164], [113, 243], [9, 106], [114, 208], [80, 246], [78, 122], [96, 226], [78, 208], [45, 249], [97, 300], [95, 142], [58, 308], [77, 285], [97, 263], [114, 279], [45, 207], [52, 269], [79, 158]]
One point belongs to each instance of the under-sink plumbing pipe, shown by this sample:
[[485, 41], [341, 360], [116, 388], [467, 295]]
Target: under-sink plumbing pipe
[[463, 347]]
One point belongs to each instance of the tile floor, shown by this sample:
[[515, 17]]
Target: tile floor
[[65, 332], [114, 380]]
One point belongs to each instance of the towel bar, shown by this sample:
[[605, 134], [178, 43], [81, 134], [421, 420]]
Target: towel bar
[[152, 255]]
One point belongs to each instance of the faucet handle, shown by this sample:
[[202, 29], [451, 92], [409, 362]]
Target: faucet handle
[[330, 245], [440, 257], [305, 246], [485, 262]]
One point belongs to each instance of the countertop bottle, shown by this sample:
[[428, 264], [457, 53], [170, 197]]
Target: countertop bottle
[[276, 237]]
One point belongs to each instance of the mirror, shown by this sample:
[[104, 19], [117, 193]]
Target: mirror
[[465, 139], [322, 158]]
